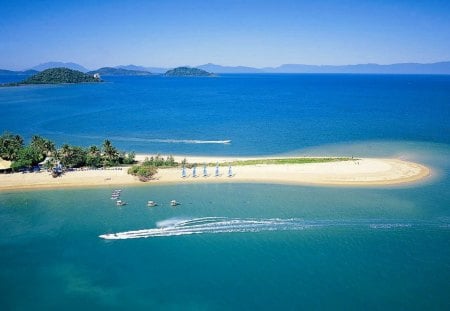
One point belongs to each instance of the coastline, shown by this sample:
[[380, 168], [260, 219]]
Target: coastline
[[358, 172]]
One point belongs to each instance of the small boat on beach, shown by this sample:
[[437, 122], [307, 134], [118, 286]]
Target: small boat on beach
[[151, 203], [174, 203]]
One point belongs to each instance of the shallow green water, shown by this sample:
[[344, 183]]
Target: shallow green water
[[264, 247]]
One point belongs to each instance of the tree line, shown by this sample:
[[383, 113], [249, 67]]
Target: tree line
[[13, 148]]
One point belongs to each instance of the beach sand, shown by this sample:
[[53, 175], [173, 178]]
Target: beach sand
[[361, 172]]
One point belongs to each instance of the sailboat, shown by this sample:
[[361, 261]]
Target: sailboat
[[230, 172], [183, 172], [217, 170], [205, 172], [194, 171]]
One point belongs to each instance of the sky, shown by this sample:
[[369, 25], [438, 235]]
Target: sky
[[170, 33]]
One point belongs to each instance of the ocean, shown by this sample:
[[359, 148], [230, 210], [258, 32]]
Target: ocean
[[235, 246]]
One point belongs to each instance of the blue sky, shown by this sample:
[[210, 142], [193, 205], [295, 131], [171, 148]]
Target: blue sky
[[252, 33]]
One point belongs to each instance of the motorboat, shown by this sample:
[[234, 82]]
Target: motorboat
[[174, 203], [151, 203], [120, 203]]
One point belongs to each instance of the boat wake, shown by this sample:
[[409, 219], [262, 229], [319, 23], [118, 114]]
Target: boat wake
[[152, 140], [210, 225]]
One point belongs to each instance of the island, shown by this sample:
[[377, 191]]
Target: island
[[188, 72], [57, 76], [110, 71]]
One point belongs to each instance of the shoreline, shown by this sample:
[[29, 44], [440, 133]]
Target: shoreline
[[358, 172]]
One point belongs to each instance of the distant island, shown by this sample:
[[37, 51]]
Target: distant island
[[209, 69], [188, 72], [4, 72], [57, 76], [110, 71]]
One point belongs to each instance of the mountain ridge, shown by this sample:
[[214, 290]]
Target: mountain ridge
[[442, 67], [112, 71], [50, 65]]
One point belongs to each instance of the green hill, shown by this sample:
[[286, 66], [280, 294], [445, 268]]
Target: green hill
[[109, 71], [188, 72], [59, 75]]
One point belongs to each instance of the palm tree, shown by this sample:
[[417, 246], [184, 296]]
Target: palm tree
[[65, 154], [44, 146], [10, 146], [93, 156], [110, 153]]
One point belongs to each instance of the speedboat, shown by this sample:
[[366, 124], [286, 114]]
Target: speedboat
[[120, 203], [151, 203], [174, 203]]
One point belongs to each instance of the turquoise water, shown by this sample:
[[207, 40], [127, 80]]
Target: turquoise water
[[235, 246], [253, 247]]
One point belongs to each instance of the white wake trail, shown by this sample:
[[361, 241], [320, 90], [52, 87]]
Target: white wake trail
[[177, 226]]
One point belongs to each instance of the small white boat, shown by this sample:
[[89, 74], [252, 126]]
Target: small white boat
[[120, 203], [174, 203], [151, 203]]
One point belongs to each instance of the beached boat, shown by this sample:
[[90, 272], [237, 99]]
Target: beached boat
[[174, 203], [151, 203]]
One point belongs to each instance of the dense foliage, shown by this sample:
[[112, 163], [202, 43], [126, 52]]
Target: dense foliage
[[143, 172], [188, 72], [12, 148], [59, 75], [149, 167]]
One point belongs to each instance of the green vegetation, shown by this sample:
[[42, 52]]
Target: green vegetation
[[188, 72], [149, 167], [143, 172], [283, 161], [159, 161], [57, 76], [12, 148], [109, 71]]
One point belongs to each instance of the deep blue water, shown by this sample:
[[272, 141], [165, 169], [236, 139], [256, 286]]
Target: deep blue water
[[260, 114], [255, 247]]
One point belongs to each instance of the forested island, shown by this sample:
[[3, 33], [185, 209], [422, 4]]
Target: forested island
[[188, 72], [57, 76]]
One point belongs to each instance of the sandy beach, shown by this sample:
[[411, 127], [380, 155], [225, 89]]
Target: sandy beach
[[361, 172]]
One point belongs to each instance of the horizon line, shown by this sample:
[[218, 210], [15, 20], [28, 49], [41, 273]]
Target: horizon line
[[215, 64]]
